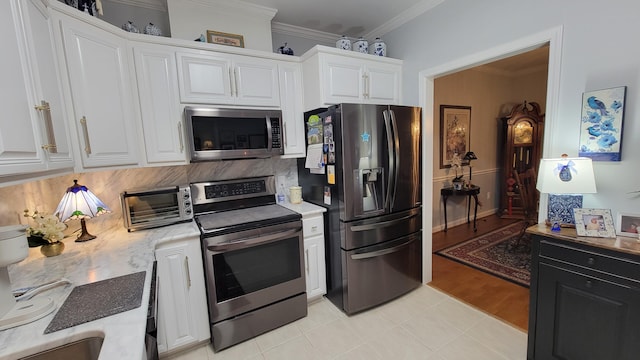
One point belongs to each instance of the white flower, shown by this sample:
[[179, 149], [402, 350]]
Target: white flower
[[48, 227]]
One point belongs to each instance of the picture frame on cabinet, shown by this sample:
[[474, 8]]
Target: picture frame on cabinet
[[601, 124], [594, 223], [628, 224], [455, 132], [221, 38]]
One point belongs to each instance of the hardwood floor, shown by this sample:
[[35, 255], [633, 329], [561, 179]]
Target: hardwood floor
[[493, 295]]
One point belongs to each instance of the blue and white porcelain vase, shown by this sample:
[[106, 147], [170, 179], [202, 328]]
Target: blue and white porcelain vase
[[379, 47], [343, 43], [152, 30], [361, 45], [129, 27]]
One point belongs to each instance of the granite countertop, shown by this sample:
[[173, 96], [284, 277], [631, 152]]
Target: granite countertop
[[115, 252], [304, 208], [623, 244]]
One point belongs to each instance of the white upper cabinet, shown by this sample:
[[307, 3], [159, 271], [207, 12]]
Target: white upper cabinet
[[218, 78], [333, 76], [291, 106], [104, 106], [162, 124], [33, 133]]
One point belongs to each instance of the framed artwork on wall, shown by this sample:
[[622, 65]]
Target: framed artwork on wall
[[601, 124], [455, 132], [216, 37], [594, 222]]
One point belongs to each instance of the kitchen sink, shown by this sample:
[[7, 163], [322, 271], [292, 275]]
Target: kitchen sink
[[85, 349]]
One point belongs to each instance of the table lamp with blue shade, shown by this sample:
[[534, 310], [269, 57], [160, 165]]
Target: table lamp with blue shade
[[80, 203], [565, 180]]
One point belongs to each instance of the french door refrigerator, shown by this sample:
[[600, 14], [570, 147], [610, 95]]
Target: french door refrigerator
[[364, 167]]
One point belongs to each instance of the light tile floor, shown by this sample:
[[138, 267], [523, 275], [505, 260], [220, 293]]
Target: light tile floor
[[424, 324]]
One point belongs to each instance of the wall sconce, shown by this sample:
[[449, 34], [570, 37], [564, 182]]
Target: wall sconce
[[80, 203]]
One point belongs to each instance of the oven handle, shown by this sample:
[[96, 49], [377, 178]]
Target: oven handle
[[253, 241], [381, 252]]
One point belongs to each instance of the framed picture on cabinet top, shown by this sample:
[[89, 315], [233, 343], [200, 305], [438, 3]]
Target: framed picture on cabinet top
[[220, 38], [628, 224], [455, 132], [601, 124], [594, 223]]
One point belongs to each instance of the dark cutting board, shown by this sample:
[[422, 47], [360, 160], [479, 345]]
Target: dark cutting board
[[99, 299]]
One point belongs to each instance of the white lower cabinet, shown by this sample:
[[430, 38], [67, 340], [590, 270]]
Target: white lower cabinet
[[313, 233], [183, 319]]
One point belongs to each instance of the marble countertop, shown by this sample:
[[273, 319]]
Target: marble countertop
[[623, 244], [114, 252], [304, 208]]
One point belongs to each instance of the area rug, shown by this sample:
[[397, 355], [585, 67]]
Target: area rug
[[496, 254]]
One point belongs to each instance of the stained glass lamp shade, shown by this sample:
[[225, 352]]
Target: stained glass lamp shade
[[80, 203]]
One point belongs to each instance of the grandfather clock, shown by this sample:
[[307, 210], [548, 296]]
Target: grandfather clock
[[522, 150]]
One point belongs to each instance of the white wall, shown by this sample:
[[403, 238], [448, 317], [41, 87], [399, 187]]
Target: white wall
[[118, 14], [190, 18], [597, 53]]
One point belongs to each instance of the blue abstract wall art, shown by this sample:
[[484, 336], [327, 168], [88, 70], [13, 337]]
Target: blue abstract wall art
[[601, 124]]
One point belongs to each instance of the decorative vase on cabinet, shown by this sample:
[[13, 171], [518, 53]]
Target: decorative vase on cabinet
[[152, 30], [343, 43], [379, 47], [361, 45]]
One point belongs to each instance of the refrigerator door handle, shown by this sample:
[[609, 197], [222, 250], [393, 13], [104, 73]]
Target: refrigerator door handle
[[392, 165], [377, 253], [382, 224], [396, 157]]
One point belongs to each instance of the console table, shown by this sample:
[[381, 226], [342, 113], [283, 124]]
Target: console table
[[471, 191]]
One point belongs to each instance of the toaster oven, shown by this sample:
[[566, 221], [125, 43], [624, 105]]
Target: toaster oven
[[145, 209]]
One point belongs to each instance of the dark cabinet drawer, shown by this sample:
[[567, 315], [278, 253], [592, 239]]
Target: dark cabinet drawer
[[621, 266]]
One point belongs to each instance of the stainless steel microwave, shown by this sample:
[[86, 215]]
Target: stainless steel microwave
[[220, 133], [145, 209]]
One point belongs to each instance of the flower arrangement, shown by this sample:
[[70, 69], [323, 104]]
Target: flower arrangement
[[456, 163], [47, 229]]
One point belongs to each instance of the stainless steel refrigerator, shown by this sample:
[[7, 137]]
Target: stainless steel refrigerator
[[369, 179]]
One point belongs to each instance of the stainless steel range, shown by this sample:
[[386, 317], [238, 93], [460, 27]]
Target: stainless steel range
[[253, 258]]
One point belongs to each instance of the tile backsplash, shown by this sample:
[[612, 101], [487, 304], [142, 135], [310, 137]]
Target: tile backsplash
[[44, 195]]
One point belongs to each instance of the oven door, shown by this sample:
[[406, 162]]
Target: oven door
[[249, 269]]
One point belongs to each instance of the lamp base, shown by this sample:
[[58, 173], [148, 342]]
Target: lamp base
[[84, 236]]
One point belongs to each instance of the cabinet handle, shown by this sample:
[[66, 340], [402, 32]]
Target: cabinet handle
[[306, 260], [186, 267], [365, 85], [85, 131], [235, 79], [48, 125], [232, 81], [284, 134], [180, 136]]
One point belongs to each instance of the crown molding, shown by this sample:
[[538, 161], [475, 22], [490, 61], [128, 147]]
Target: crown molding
[[145, 4], [238, 6], [305, 33], [403, 18]]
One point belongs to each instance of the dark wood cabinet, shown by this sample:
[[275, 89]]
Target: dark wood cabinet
[[522, 132], [585, 302]]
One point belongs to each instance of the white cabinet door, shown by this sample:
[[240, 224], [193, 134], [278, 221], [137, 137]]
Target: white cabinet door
[[313, 232], [52, 114], [162, 125], [183, 318], [343, 80], [100, 80], [31, 140], [204, 78], [315, 267], [291, 106], [216, 78], [256, 81], [383, 84]]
